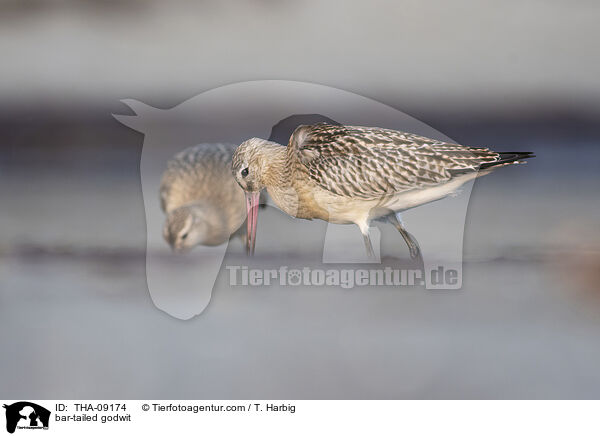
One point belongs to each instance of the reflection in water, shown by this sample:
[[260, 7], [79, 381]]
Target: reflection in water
[[203, 203]]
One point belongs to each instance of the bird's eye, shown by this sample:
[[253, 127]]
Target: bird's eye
[[184, 236], [244, 172]]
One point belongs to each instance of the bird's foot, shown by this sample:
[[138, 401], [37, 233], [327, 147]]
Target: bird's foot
[[415, 252]]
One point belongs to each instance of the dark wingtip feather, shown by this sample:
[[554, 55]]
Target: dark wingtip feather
[[508, 157]]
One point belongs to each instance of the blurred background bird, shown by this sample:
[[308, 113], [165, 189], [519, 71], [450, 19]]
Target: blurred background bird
[[203, 203]]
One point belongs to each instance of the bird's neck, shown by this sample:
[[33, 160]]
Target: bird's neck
[[276, 171]]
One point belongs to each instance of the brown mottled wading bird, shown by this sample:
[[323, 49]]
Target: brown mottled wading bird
[[350, 174], [203, 202]]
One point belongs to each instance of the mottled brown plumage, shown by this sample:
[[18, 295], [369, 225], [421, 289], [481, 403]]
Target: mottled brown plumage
[[352, 174], [368, 162]]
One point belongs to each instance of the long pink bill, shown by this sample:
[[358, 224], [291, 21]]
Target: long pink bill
[[252, 199]]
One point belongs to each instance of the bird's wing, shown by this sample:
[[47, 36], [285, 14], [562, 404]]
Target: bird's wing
[[371, 162]]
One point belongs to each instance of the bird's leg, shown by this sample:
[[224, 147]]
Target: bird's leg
[[369, 246], [413, 245], [364, 229]]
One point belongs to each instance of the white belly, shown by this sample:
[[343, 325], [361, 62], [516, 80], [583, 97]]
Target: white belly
[[343, 210]]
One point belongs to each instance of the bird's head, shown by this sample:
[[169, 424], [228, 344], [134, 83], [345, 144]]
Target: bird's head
[[252, 165], [184, 229], [195, 224], [249, 163]]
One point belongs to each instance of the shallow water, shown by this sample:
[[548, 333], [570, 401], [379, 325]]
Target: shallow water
[[87, 329]]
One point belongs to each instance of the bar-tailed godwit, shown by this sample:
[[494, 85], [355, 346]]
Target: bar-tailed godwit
[[350, 174], [203, 202]]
